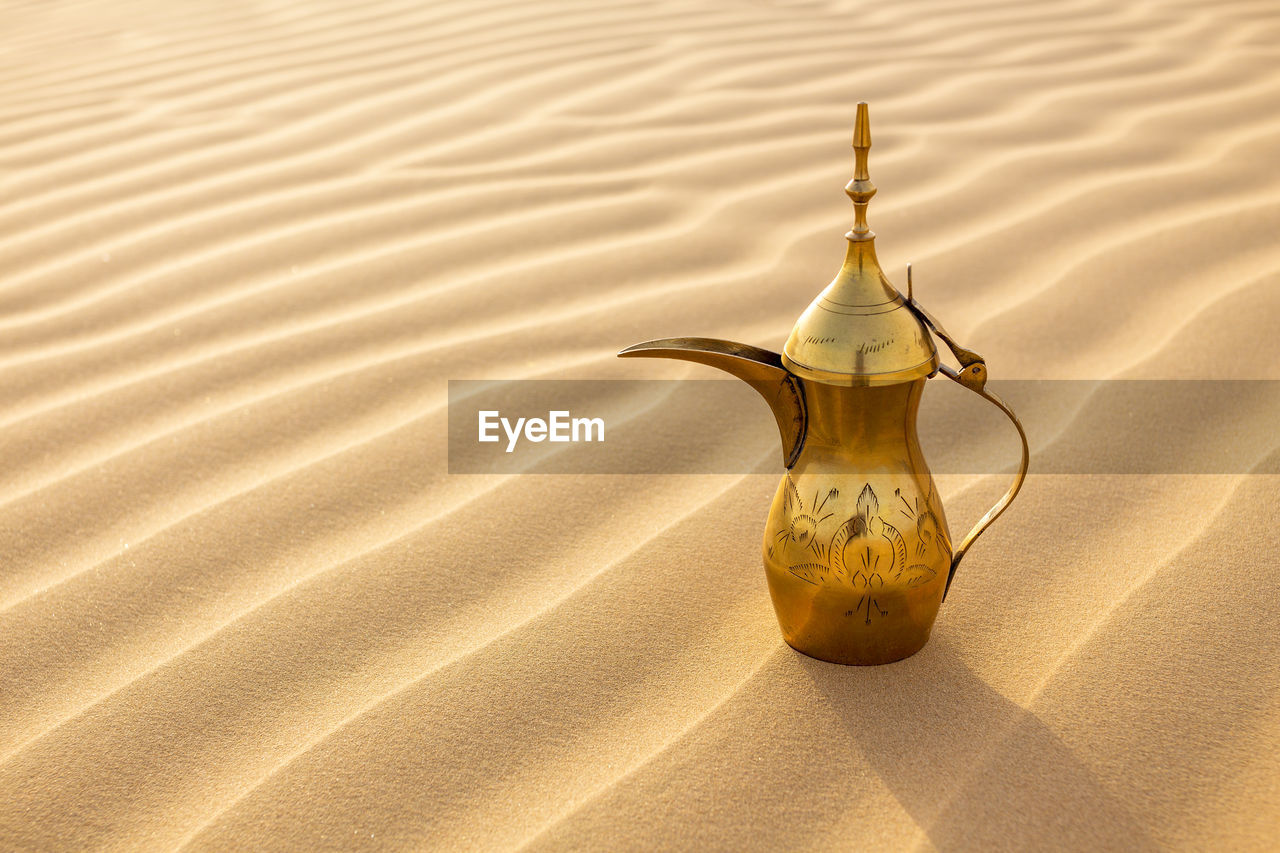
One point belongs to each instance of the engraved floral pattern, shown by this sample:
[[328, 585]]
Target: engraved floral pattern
[[864, 552]]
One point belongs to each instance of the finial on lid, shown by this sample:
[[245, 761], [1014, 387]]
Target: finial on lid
[[860, 189]]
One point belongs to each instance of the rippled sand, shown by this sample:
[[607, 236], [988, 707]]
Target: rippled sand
[[244, 246]]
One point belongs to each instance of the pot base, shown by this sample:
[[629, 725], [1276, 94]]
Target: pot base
[[839, 624], [857, 656]]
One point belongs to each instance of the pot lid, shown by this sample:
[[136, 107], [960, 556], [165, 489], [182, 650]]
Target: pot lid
[[859, 330]]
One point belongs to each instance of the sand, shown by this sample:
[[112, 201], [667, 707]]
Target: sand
[[243, 248]]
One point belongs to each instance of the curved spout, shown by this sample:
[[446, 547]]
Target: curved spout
[[759, 368]]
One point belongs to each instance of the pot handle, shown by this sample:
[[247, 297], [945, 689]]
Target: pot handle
[[1014, 487], [972, 375]]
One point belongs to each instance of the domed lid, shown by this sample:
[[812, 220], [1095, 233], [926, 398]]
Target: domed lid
[[860, 331]]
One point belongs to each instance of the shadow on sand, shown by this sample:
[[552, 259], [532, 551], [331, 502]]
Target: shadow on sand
[[974, 769]]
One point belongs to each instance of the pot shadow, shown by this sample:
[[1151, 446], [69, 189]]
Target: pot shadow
[[971, 767]]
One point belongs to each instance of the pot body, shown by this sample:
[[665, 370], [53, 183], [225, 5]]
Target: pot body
[[856, 548]]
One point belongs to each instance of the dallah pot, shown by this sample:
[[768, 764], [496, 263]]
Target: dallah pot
[[857, 551]]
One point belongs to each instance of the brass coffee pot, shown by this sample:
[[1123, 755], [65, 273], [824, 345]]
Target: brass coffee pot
[[856, 549]]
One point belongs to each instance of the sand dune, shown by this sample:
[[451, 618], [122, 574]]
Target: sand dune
[[243, 248]]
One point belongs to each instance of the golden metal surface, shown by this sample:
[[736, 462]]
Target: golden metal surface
[[859, 330], [856, 546], [857, 552], [1023, 464], [759, 368]]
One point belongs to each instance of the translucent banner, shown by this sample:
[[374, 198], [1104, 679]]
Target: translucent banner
[[724, 427]]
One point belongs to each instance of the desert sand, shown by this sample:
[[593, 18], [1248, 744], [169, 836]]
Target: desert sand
[[244, 246]]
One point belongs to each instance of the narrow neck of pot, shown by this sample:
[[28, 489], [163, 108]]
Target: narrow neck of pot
[[868, 426]]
